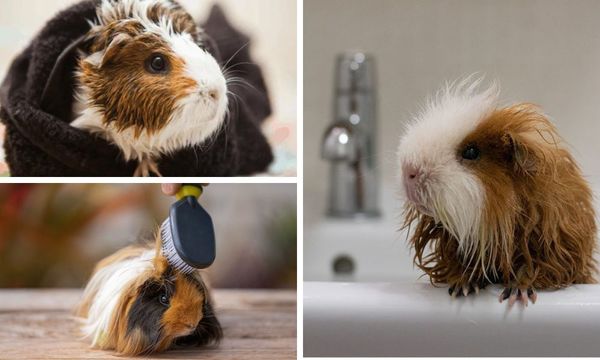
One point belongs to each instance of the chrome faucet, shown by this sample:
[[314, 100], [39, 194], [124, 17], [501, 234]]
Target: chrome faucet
[[349, 142]]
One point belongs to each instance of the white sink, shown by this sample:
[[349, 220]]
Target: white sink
[[377, 248], [374, 247], [383, 309], [416, 319]]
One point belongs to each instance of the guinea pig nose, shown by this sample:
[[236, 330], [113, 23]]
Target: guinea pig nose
[[213, 94], [411, 173]]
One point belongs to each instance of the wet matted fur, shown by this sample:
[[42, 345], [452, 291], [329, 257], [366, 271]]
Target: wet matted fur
[[532, 223]]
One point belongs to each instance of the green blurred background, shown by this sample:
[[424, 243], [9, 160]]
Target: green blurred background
[[51, 235]]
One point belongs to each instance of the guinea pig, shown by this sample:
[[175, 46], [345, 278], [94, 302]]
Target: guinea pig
[[146, 81], [136, 303], [493, 196]]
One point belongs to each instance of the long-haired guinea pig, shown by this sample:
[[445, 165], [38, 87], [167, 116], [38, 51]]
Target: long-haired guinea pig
[[146, 81], [136, 303], [493, 196]]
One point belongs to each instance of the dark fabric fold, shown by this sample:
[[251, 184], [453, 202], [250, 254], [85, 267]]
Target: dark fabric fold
[[40, 142]]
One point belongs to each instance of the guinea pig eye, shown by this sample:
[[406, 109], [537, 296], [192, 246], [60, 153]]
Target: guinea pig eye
[[157, 64], [163, 299], [470, 152]]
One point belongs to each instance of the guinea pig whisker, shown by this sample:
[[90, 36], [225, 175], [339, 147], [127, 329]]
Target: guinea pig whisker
[[233, 66], [229, 69], [237, 52], [236, 99], [233, 71], [242, 82]]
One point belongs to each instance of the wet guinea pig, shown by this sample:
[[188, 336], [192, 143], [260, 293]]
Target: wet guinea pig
[[147, 83], [136, 303], [493, 196]]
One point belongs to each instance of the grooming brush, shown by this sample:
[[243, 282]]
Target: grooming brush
[[188, 235]]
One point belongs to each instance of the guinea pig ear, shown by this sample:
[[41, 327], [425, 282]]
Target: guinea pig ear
[[116, 44], [532, 151], [523, 158], [101, 58], [530, 138], [207, 332]]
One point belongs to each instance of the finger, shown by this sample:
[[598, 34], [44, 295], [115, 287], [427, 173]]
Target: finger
[[170, 189]]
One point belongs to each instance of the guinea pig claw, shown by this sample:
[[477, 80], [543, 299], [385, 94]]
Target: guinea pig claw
[[532, 295], [504, 294], [515, 294], [523, 296], [154, 168], [463, 290], [513, 297]]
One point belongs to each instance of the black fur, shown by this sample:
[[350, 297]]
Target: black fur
[[207, 332], [40, 142], [146, 311]]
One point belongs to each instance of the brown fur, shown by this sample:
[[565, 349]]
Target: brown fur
[[538, 211], [126, 94]]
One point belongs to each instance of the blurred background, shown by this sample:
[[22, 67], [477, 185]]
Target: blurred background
[[52, 235], [271, 25], [541, 51]]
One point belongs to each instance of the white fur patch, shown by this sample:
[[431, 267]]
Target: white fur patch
[[448, 191], [108, 284], [195, 118]]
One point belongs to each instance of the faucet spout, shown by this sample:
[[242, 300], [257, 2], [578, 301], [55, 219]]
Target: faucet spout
[[349, 141]]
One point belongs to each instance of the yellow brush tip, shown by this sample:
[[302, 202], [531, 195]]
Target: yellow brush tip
[[189, 190]]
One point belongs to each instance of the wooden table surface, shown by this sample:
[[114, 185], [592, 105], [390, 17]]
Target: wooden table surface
[[257, 324]]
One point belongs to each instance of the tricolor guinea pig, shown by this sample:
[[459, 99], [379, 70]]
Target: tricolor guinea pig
[[136, 303], [493, 196], [147, 82]]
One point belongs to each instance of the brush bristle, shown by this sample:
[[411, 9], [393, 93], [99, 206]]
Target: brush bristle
[[169, 251]]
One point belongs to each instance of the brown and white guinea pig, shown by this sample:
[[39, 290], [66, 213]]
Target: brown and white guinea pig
[[136, 303], [146, 81], [493, 196]]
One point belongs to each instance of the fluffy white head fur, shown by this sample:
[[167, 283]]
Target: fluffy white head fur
[[108, 284], [194, 119], [447, 190]]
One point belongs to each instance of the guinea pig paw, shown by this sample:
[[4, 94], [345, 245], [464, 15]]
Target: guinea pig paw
[[514, 294], [459, 290], [145, 168], [153, 167]]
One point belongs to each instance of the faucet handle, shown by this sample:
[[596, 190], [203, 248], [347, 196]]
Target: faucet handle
[[339, 143]]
